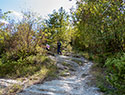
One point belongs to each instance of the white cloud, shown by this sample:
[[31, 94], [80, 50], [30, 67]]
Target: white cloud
[[16, 15], [3, 21], [20, 15]]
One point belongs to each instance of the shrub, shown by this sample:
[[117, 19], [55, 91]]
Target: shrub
[[23, 66], [116, 72], [36, 59]]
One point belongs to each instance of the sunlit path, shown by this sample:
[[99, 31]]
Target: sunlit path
[[73, 83]]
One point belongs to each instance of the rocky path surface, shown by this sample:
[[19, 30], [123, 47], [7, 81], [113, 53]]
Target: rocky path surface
[[73, 79]]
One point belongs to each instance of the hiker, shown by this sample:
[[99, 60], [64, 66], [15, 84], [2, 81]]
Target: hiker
[[47, 47], [58, 47]]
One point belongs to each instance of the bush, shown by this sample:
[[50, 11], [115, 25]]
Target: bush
[[36, 59], [116, 72], [22, 66]]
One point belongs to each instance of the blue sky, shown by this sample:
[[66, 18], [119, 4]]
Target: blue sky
[[42, 7]]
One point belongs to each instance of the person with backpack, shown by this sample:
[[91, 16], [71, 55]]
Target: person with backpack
[[58, 48]]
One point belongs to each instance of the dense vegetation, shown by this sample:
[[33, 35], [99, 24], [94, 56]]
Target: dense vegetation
[[99, 30], [23, 43], [95, 27], [22, 47]]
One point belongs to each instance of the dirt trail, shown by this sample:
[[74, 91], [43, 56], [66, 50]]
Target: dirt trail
[[73, 79]]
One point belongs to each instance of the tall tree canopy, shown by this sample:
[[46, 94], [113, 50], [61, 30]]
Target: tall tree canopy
[[100, 24], [58, 25]]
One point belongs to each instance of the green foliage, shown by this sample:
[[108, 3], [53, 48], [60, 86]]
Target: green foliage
[[116, 72], [58, 28], [4, 37], [22, 50], [57, 25], [36, 59], [15, 88], [99, 31], [99, 26], [23, 67]]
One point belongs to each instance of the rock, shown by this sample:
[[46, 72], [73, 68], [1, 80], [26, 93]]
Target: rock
[[84, 75]]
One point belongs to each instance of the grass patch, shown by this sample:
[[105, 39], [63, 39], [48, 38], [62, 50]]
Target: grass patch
[[52, 73], [23, 67], [100, 80], [15, 88], [64, 73], [35, 78], [65, 64]]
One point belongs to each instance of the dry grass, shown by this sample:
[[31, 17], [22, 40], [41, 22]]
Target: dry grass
[[38, 77]]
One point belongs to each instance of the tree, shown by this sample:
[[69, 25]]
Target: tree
[[4, 30], [23, 38], [100, 29], [100, 25], [58, 28], [58, 25]]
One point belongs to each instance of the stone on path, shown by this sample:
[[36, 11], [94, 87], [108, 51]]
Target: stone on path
[[74, 84]]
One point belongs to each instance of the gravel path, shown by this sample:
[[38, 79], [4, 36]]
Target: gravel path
[[72, 81]]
